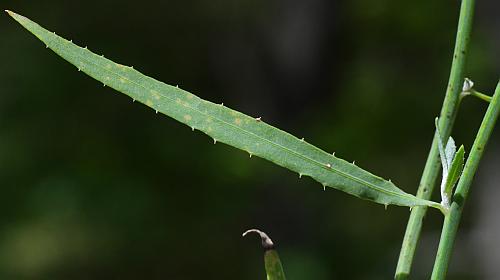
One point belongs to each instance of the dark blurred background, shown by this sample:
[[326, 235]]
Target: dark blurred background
[[94, 186]]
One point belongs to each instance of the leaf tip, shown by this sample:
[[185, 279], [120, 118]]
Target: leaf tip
[[267, 243], [15, 16]]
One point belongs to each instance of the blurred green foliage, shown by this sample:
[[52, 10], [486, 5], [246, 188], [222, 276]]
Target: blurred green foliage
[[95, 186]]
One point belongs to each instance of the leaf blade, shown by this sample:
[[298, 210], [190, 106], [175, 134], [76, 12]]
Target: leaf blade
[[274, 268], [456, 168], [450, 151], [227, 125], [442, 150]]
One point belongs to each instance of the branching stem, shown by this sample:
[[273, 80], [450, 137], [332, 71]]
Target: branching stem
[[452, 220], [477, 94], [447, 119]]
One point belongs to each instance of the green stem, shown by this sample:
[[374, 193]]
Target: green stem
[[477, 94], [446, 121], [452, 220], [480, 95]]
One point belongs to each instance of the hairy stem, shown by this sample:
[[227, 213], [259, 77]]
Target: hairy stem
[[452, 220], [446, 121]]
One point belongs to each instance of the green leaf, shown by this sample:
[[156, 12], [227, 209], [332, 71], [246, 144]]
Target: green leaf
[[455, 171], [228, 126], [272, 262], [452, 162], [445, 153], [450, 151]]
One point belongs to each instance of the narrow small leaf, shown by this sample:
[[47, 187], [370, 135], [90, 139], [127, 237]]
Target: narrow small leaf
[[442, 153], [272, 262], [450, 151], [228, 126], [456, 168]]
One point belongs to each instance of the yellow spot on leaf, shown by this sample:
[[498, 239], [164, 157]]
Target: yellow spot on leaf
[[155, 94], [149, 103], [187, 117], [122, 80], [237, 121]]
